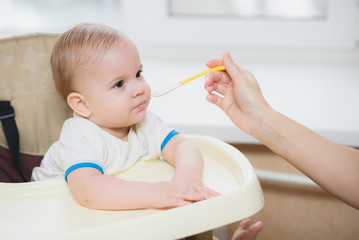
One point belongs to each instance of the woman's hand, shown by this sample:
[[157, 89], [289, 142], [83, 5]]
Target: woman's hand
[[240, 95]]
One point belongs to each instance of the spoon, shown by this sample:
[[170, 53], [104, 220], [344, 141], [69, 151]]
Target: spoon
[[180, 83]]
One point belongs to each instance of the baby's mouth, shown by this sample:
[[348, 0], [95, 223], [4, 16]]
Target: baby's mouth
[[142, 105]]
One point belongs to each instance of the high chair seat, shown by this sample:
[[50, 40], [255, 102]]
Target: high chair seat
[[26, 81]]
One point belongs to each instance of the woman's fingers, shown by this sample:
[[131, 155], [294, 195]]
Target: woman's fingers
[[214, 63]]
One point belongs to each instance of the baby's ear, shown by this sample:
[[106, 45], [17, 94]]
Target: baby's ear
[[78, 104]]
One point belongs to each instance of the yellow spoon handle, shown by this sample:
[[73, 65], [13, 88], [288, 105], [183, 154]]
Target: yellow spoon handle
[[218, 68]]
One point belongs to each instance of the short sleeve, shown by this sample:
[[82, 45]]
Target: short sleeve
[[70, 152]]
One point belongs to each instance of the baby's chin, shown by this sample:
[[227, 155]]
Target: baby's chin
[[140, 116]]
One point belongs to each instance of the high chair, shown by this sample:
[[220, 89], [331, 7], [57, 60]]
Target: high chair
[[47, 209]]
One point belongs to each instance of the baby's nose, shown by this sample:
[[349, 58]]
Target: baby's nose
[[139, 89]]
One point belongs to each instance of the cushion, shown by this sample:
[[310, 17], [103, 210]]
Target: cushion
[[25, 80]]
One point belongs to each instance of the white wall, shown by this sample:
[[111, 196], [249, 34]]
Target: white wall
[[314, 84]]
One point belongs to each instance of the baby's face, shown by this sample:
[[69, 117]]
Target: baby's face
[[115, 90]]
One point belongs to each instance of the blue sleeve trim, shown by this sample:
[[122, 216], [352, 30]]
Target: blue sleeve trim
[[168, 137], [81, 165]]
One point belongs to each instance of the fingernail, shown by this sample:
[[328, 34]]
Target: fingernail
[[206, 77], [227, 56]]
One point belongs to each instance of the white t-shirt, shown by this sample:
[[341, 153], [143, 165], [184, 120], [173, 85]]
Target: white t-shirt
[[84, 144]]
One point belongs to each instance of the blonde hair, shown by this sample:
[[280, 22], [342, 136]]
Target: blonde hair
[[81, 45]]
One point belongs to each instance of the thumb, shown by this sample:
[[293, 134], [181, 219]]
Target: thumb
[[231, 68]]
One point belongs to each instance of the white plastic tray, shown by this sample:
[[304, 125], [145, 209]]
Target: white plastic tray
[[47, 210]]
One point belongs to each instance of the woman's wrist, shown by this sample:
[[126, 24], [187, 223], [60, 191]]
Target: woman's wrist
[[262, 123]]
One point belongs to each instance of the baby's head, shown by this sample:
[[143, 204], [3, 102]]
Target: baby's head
[[97, 69], [77, 48]]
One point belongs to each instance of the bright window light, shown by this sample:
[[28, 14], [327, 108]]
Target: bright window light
[[279, 9], [22, 16]]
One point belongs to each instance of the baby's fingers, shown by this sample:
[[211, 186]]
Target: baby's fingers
[[207, 193], [178, 202], [212, 193], [188, 192]]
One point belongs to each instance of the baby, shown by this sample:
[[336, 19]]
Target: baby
[[98, 71]]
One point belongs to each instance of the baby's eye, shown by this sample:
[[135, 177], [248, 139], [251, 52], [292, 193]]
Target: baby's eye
[[138, 74], [119, 84]]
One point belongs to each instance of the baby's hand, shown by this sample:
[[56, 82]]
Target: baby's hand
[[195, 183], [174, 194]]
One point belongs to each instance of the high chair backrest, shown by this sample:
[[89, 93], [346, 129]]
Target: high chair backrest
[[26, 81]]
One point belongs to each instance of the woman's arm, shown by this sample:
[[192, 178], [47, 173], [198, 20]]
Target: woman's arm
[[331, 165]]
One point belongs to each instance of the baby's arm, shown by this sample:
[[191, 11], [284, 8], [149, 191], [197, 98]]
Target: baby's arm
[[95, 190], [187, 159]]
